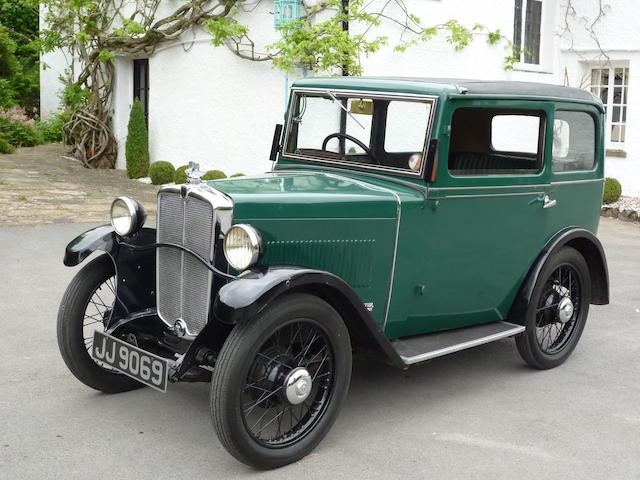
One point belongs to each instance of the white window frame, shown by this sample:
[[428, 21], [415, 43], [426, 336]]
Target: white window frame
[[623, 105]]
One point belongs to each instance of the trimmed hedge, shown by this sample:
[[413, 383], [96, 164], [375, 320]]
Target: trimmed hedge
[[161, 172], [612, 190], [213, 175], [137, 146], [181, 174], [240, 174]]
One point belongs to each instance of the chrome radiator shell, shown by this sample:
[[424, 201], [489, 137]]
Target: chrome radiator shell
[[190, 216]]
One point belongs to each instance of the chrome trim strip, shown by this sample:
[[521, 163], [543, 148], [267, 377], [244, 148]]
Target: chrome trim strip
[[433, 99], [488, 187], [488, 195], [463, 346], [570, 182]]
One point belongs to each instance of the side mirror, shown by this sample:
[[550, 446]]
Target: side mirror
[[275, 145]]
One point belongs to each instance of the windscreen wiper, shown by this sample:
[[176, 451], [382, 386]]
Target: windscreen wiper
[[335, 99]]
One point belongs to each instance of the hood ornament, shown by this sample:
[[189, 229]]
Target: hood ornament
[[194, 173]]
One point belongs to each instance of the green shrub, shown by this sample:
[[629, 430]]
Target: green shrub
[[137, 146], [612, 190], [213, 175], [5, 146], [19, 133], [181, 174], [51, 129], [161, 172], [240, 174]]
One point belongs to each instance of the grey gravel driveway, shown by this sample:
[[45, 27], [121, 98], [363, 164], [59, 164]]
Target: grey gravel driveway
[[475, 414]]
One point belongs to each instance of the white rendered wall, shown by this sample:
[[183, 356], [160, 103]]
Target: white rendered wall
[[619, 38]]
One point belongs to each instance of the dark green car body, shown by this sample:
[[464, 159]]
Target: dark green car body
[[431, 250]]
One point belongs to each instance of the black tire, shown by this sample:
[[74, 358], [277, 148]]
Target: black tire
[[71, 322], [246, 344], [543, 320]]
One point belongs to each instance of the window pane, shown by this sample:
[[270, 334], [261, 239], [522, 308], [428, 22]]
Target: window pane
[[517, 27], [319, 117], [604, 94], [532, 31], [617, 95], [406, 126], [604, 76], [618, 76], [574, 141], [616, 114], [595, 76], [487, 141], [515, 133]]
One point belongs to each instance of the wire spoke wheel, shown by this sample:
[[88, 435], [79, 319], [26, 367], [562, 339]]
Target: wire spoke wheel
[[280, 380], [288, 385], [558, 309], [98, 311]]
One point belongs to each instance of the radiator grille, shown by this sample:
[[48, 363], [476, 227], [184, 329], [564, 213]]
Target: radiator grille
[[184, 283]]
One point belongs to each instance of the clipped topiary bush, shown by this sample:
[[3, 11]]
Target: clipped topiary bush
[[181, 174], [161, 172], [137, 146], [213, 175], [240, 174], [612, 190]]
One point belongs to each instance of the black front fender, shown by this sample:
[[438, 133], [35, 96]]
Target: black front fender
[[135, 268], [99, 238], [253, 291]]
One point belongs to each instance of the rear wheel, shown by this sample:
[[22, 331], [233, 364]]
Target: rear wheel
[[558, 311], [85, 307], [280, 381]]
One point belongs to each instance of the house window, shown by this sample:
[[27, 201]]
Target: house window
[[526, 30], [141, 84], [611, 84]]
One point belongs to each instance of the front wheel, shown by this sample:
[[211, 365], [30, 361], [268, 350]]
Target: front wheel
[[85, 307], [280, 381], [557, 312]]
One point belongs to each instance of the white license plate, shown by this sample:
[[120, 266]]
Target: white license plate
[[140, 365]]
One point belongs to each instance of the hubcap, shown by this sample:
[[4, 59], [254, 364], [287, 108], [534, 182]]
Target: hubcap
[[298, 386], [565, 310]]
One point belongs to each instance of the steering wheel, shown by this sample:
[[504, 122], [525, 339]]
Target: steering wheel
[[352, 139]]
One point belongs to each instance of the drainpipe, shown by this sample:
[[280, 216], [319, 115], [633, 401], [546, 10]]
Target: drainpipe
[[345, 73]]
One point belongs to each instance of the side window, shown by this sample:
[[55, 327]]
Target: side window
[[487, 141], [406, 125], [574, 141]]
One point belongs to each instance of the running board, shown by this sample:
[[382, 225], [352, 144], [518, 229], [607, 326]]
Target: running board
[[425, 347]]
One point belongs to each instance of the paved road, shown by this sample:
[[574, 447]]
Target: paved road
[[475, 414]]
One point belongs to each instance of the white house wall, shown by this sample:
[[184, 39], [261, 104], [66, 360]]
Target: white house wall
[[209, 106]]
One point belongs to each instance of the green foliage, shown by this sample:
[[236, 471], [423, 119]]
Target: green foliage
[[52, 128], [19, 54], [161, 172], [181, 174], [213, 175], [324, 46], [612, 190], [5, 146], [224, 28], [240, 174], [17, 129], [137, 146]]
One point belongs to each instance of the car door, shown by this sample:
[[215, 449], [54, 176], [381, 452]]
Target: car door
[[577, 167], [486, 220]]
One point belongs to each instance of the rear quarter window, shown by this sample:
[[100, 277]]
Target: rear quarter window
[[574, 141]]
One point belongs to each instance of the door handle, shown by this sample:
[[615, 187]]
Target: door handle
[[547, 202]]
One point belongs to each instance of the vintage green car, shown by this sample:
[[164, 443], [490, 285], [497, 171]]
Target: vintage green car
[[411, 218]]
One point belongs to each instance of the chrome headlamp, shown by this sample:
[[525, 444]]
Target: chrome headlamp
[[127, 216], [242, 246]]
